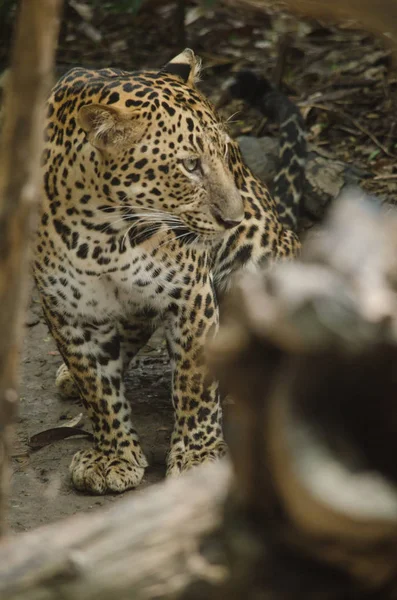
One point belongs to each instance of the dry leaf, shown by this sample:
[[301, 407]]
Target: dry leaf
[[49, 436], [60, 432]]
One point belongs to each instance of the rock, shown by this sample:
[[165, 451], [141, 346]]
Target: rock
[[325, 176]]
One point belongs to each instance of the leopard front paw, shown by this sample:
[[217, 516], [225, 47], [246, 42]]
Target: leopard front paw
[[97, 473], [181, 460], [65, 383]]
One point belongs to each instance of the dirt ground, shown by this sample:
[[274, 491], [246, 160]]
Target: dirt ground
[[346, 87]]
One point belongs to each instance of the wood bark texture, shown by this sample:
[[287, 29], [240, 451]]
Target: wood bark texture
[[26, 88], [309, 354], [160, 543]]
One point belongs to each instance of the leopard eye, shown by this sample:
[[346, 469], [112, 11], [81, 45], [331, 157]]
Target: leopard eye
[[191, 164]]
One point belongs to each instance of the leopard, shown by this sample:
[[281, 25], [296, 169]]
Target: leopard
[[148, 212]]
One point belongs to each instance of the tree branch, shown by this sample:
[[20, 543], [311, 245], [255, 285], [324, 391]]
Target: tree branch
[[20, 149]]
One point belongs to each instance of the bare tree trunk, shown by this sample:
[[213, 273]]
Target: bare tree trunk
[[27, 85]]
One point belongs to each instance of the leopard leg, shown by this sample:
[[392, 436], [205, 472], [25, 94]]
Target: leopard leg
[[134, 333], [197, 435], [133, 336], [93, 355]]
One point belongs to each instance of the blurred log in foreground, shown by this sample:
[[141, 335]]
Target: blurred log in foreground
[[20, 148], [379, 17], [309, 352]]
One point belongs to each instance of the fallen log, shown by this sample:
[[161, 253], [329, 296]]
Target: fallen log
[[310, 508], [153, 545], [20, 148]]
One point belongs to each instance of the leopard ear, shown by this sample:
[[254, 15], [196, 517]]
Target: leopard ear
[[186, 66], [107, 126]]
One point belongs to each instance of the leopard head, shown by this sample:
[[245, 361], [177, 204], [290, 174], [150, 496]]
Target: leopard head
[[161, 150]]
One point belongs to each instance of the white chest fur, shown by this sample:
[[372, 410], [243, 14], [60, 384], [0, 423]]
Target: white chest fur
[[128, 283]]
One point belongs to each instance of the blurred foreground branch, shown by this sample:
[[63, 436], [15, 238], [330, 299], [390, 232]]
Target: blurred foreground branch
[[378, 17], [27, 85], [309, 352]]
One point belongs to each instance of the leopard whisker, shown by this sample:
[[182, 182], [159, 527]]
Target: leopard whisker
[[143, 219], [155, 229], [178, 237], [130, 210], [229, 119], [135, 234]]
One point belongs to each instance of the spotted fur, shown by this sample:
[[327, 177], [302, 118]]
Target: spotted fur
[[148, 210]]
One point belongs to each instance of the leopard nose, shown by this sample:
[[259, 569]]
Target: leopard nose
[[228, 223], [229, 212]]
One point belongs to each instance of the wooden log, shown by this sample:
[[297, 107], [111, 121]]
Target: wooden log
[[309, 353], [27, 86], [161, 543]]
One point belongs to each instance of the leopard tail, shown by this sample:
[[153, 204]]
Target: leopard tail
[[287, 186]]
